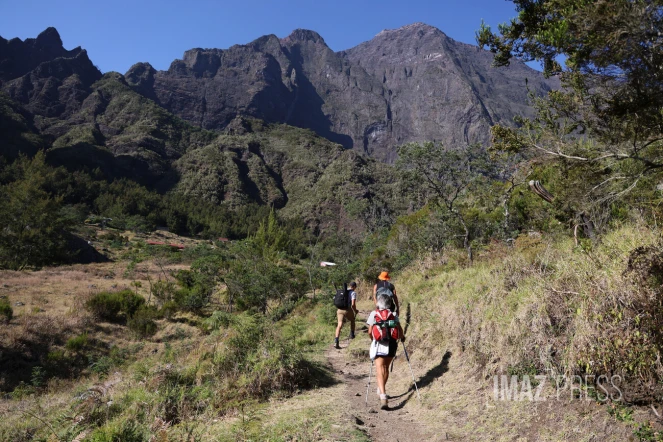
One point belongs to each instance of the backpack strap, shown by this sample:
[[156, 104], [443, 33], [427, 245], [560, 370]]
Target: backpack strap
[[383, 318]]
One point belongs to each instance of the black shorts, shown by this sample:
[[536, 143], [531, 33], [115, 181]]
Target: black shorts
[[393, 346]]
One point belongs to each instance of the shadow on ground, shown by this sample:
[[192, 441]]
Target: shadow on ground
[[319, 375], [424, 381]]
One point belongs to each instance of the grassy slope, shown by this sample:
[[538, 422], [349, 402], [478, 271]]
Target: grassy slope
[[465, 325], [125, 386], [542, 307]]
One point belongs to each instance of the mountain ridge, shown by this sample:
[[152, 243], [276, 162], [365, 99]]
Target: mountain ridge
[[189, 129], [299, 80], [409, 84]]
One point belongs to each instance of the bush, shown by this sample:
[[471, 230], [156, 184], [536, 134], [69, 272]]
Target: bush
[[6, 310], [115, 306], [77, 343], [191, 300], [103, 365], [163, 291], [168, 309], [218, 320], [258, 361], [327, 311], [127, 431], [142, 322]]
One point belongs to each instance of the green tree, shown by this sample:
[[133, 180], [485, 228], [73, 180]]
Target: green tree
[[33, 230], [271, 239], [607, 119], [444, 177], [254, 282]]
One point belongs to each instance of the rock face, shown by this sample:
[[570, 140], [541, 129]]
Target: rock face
[[48, 79], [440, 89], [408, 84]]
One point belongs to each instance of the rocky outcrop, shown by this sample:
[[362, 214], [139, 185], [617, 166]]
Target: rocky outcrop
[[440, 89], [43, 76], [408, 84]]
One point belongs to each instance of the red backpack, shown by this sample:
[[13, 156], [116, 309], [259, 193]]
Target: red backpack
[[386, 326]]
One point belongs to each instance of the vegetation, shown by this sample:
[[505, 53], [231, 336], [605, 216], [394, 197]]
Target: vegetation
[[562, 282], [6, 311], [603, 128], [115, 306]]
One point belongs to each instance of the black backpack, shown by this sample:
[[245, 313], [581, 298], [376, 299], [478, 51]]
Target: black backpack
[[341, 298]]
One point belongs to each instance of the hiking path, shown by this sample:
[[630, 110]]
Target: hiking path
[[396, 424]]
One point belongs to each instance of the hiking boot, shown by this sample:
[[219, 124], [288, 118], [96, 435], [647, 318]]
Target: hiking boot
[[336, 346], [352, 335], [384, 402]]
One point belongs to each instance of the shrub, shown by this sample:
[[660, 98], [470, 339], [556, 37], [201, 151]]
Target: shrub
[[163, 291], [59, 363], [327, 310], [218, 320], [38, 376], [77, 343], [142, 322], [191, 300], [6, 311], [103, 365], [168, 309], [127, 431], [115, 306], [258, 360]]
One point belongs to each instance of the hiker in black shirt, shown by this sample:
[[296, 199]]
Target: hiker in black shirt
[[384, 283]]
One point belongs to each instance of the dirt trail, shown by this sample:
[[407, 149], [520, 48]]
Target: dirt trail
[[395, 424]]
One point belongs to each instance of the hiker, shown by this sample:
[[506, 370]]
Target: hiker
[[347, 314], [388, 289], [384, 342]]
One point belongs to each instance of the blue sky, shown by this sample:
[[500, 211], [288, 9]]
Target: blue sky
[[120, 33]]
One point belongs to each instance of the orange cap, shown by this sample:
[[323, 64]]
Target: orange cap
[[384, 276]]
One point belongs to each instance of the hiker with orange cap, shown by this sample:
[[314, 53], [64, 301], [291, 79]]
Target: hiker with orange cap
[[384, 286]]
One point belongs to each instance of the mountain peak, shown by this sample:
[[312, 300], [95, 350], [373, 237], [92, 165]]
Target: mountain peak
[[49, 37], [299, 35], [414, 27]]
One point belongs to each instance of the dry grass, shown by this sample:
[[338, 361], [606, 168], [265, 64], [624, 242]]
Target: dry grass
[[48, 307], [542, 306]]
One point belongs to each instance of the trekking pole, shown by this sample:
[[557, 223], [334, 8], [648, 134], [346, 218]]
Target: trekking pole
[[368, 387], [411, 372]]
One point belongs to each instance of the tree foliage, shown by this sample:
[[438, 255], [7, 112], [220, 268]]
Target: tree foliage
[[33, 229], [613, 51], [604, 127], [448, 178]]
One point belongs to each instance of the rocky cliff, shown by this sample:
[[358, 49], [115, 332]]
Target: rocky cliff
[[409, 84], [47, 79]]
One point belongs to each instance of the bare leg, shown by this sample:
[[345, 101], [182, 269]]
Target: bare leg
[[382, 372], [339, 326], [379, 373]]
